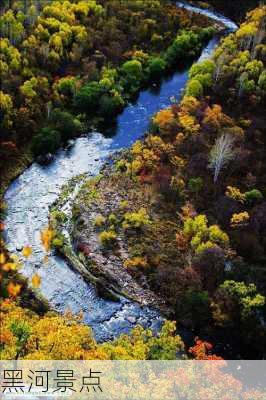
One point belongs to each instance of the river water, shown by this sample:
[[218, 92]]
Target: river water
[[30, 195]]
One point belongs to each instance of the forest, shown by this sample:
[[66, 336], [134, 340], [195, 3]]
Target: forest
[[60, 62], [174, 221]]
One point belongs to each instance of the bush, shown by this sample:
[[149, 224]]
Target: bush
[[136, 220], [47, 141], [195, 309], [124, 204], [205, 67], [107, 238]]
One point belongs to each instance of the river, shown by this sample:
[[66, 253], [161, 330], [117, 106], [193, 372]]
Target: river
[[30, 195]]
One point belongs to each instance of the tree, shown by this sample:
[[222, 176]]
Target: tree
[[201, 237], [6, 108], [237, 301], [141, 345], [133, 69], [194, 88], [133, 73], [109, 106], [221, 154], [195, 184], [47, 141], [87, 98], [203, 73], [185, 45], [65, 124], [156, 67]]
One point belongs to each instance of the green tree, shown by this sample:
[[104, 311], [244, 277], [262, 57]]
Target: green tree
[[236, 302], [194, 88], [156, 68], [87, 98], [47, 141], [65, 123]]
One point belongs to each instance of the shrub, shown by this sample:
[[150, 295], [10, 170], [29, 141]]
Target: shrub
[[237, 302], [204, 246], [203, 73], [217, 236], [136, 220], [66, 85], [47, 141], [195, 309], [107, 238], [194, 225], [205, 67]]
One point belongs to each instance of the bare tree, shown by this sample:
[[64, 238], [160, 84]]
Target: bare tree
[[221, 154]]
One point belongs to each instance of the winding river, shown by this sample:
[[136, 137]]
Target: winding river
[[30, 195]]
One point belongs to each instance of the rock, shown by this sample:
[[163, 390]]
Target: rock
[[106, 293], [45, 159], [132, 320], [70, 143]]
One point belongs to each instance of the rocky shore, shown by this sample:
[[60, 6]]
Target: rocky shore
[[88, 207]]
